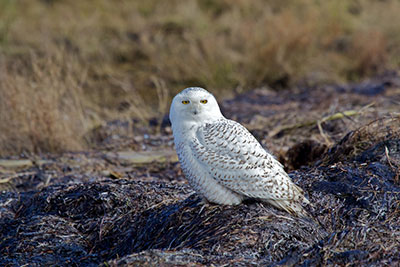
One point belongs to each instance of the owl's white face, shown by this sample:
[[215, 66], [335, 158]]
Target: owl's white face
[[192, 106]]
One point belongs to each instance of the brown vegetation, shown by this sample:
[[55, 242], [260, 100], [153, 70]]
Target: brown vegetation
[[40, 105], [68, 65]]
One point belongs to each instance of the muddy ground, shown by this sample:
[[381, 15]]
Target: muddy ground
[[125, 202]]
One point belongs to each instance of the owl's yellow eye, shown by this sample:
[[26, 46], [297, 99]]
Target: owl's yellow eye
[[185, 102], [204, 101]]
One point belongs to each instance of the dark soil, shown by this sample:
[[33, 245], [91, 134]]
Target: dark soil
[[99, 208]]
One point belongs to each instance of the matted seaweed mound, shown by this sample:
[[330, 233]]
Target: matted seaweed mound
[[95, 222]]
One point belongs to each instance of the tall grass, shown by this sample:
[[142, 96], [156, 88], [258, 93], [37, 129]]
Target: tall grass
[[138, 54], [40, 105]]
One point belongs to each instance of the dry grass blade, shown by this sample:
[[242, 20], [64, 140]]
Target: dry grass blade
[[336, 116], [9, 181]]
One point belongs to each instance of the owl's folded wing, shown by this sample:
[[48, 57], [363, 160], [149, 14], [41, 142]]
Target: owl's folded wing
[[233, 157]]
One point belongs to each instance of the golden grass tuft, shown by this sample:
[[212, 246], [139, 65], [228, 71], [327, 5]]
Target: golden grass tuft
[[40, 106]]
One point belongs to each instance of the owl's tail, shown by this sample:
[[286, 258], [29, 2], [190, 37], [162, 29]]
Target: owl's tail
[[292, 206]]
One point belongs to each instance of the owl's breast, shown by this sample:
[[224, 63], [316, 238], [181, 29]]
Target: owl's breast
[[193, 169]]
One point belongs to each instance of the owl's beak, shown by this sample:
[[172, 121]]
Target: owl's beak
[[196, 109]]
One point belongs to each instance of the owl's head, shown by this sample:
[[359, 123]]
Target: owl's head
[[194, 105]]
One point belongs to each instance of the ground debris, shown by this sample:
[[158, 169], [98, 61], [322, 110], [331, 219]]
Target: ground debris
[[354, 219], [90, 209]]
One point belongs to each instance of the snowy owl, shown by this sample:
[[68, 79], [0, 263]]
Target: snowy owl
[[222, 160]]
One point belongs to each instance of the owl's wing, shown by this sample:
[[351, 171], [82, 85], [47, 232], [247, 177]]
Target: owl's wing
[[233, 157]]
